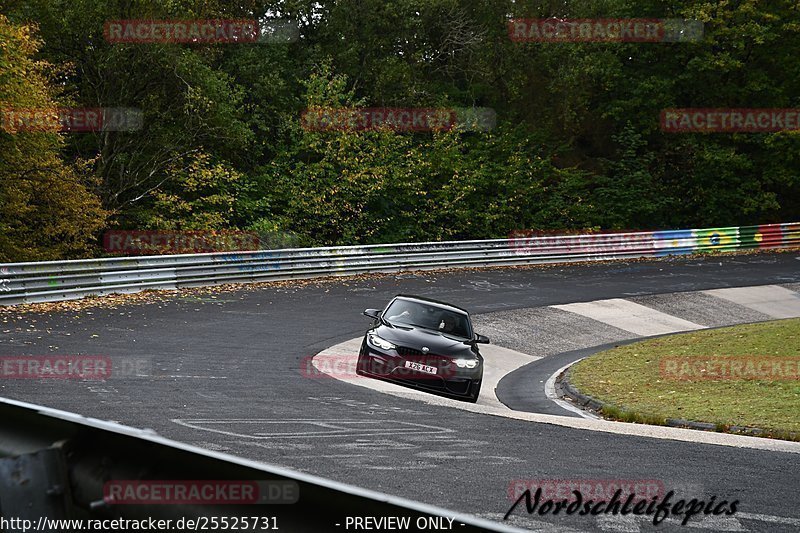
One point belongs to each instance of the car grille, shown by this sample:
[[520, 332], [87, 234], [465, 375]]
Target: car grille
[[417, 356], [405, 351]]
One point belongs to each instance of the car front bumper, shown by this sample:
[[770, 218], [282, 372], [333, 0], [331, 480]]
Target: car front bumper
[[449, 380]]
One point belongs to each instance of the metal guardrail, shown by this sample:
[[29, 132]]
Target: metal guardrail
[[57, 465], [50, 281]]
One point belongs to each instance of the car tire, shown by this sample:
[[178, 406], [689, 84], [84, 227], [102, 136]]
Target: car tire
[[361, 365], [362, 362]]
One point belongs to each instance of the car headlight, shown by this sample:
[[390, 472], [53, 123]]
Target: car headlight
[[466, 363], [378, 342]]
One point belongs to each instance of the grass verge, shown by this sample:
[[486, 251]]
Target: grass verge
[[744, 376]]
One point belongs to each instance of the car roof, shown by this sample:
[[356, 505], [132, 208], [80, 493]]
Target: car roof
[[446, 305]]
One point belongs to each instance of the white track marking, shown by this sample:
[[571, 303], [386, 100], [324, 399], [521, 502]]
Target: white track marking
[[316, 428], [550, 392], [771, 300], [617, 523], [715, 523], [770, 518], [629, 316]]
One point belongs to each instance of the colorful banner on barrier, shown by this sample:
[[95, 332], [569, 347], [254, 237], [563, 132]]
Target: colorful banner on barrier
[[791, 234], [717, 239], [764, 236], [664, 243], [674, 242]]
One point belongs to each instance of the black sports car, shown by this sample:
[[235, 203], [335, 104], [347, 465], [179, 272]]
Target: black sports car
[[425, 344]]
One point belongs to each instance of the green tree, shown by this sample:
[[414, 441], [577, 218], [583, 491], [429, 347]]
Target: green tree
[[47, 207]]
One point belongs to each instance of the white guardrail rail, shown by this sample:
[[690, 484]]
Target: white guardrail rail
[[50, 281]]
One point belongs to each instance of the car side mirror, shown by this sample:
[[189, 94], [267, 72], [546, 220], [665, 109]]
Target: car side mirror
[[373, 313], [481, 339]]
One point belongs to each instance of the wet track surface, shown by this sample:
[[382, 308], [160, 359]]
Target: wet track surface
[[224, 372]]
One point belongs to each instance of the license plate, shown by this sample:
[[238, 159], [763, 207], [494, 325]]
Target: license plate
[[421, 368]]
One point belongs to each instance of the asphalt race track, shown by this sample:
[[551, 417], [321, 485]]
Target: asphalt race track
[[224, 372]]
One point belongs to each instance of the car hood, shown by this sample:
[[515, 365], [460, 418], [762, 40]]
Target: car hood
[[413, 337]]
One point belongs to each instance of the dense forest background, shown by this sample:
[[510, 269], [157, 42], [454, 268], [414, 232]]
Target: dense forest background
[[577, 142]]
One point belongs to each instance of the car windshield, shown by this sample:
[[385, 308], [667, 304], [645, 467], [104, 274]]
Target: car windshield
[[428, 316]]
